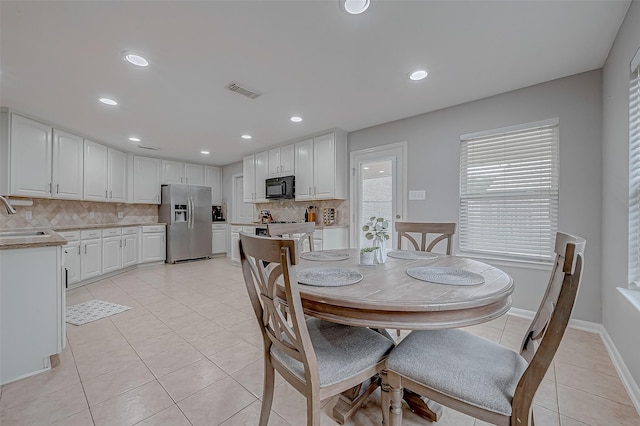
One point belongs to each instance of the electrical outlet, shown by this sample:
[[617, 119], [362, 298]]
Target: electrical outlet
[[120, 215], [417, 195], [28, 215], [92, 215]]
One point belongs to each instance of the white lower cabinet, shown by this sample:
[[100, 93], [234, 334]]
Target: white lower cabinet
[[111, 254], [129, 246], [328, 239], [91, 258], [218, 239], [153, 243], [71, 258], [235, 248]]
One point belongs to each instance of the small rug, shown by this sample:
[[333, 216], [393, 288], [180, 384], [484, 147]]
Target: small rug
[[322, 256], [92, 310], [445, 275]]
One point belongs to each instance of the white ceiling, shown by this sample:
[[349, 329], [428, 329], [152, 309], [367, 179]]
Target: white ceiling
[[307, 57]]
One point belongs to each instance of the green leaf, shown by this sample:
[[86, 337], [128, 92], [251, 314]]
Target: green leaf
[[379, 219], [372, 218], [365, 228]]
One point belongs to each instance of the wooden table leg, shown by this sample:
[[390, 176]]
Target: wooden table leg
[[350, 400], [422, 406]]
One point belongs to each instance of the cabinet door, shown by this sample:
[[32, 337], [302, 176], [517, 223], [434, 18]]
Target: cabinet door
[[95, 171], [249, 178], [129, 250], [235, 247], [212, 179], [335, 238], [287, 154], [153, 248], [324, 166], [71, 262], [68, 166], [194, 174], [146, 180], [91, 258], [30, 158], [218, 241], [262, 173], [117, 176], [304, 169], [274, 162], [111, 254], [172, 172]]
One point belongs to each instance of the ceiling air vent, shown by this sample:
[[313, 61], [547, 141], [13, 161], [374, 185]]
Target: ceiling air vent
[[235, 87], [152, 148]]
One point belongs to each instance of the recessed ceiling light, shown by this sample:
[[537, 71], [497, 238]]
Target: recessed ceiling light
[[246, 137], [135, 59], [204, 152], [134, 139], [366, 168], [418, 74], [296, 119], [355, 7], [108, 101], [381, 171]]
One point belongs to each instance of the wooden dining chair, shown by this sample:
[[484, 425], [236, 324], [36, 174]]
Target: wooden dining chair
[[445, 231], [484, 379], [318, 358], [288, 230]]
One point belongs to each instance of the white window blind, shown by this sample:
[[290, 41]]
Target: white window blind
[[509, 192], [634, 178]]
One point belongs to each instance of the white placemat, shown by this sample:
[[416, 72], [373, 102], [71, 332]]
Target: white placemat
[[411, 254], [92, 310], [324, 256], [329, 277], [444, 275]]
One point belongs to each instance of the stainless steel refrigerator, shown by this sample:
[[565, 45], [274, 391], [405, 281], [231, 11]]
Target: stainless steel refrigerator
[[186, 209]]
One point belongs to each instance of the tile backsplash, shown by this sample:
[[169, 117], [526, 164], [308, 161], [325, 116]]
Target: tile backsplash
[[51, 213], [287, 210]]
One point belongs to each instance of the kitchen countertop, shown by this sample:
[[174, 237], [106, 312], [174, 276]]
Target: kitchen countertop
[[264, 224], [51, 238], [101, 226]]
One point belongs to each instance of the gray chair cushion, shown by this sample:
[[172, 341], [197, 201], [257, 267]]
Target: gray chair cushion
[[461, 365], [342, 351]]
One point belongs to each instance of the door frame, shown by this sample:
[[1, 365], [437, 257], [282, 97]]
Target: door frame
[[401, 185]]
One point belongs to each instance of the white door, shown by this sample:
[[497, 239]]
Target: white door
[[378, 188], [146, 180], [324, 167], [91, 261], [68, 166], [172, 172], [71, 261], [194, 174], [243, 212], [212, 179], [117, 176], [304, 169], [262, 174], [249, 181], [111, 254], [129, 250], [30, 158], [95, 171]]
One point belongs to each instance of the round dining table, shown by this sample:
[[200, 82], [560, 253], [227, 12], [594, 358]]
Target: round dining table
[[387, 297]]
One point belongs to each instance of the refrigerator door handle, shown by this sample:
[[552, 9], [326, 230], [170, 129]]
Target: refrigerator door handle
[[190, 213]]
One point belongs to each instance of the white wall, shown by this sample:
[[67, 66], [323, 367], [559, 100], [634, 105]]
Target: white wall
[[620, 317], [433, 152]]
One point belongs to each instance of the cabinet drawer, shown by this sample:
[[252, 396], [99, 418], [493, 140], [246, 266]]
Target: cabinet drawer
[[153, 228], [90, 233], [218, 227], [130, 230], [70, 235], [235, 228], [249, 230], [111, 232]]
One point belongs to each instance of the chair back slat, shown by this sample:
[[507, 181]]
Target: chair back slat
[[288, 230], [445, 231], [268, 264]]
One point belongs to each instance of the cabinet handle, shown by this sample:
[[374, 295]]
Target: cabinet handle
[[314, 190], [110, 194], [49, 186], [120, 243], [106, 194], [186, 179], [181, 179], [309, 190], [78, 250], [85, 249], [125, 243], [57, 188]]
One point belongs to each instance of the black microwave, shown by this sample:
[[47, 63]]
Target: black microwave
[[281, 188]]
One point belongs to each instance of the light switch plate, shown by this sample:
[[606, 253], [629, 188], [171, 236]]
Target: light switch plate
[[120, 215], [28, 215], [417, 195]]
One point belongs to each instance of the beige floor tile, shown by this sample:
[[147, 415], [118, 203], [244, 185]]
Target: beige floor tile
[[233, 318], [156, 345], [133, 406], [216, 342], [82, 418], [568, 421], [546, 396], [142, 328], [46, 409], [188, 380], [171, 416], [234, 358], [517, 325], [216, 403], [199, 330], [599, 384], [99, 347], [183, 321], [489, 333], [252, 377], [587, 352], [594, 410], [173, 359], [105, 363], [511, 340], [91, 332], [251, 416], [133, 313], [211, 309], [129, 376]]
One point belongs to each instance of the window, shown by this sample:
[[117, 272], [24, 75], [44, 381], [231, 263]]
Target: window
[[634, 177], [509, 192]]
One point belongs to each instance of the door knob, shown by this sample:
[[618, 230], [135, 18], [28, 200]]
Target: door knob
[[397, 216]]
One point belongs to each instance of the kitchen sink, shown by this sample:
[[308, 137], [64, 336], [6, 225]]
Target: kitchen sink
[[22, 234]]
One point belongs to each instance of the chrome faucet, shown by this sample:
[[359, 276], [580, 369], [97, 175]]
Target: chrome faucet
[[9, 207]]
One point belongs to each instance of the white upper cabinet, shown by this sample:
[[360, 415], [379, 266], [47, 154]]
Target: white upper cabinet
[[262, 173], [117, 176], [68, 165], [96, 158], [212, 179], [281, 161], [146, 180], [194, 174], [321, 167], [30, 153], [172, 172], [255, 171], [249, 178]]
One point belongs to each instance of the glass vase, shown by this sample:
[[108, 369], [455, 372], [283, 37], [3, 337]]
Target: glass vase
[[380, 254]]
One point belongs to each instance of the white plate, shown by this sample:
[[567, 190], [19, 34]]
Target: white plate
[[411, 254], [329, 277], [324, 256], [444, 275]]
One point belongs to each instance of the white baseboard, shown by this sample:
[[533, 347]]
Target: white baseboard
[[621, 368]]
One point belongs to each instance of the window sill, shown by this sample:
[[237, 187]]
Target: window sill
[[633, 296], [541, 266]]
